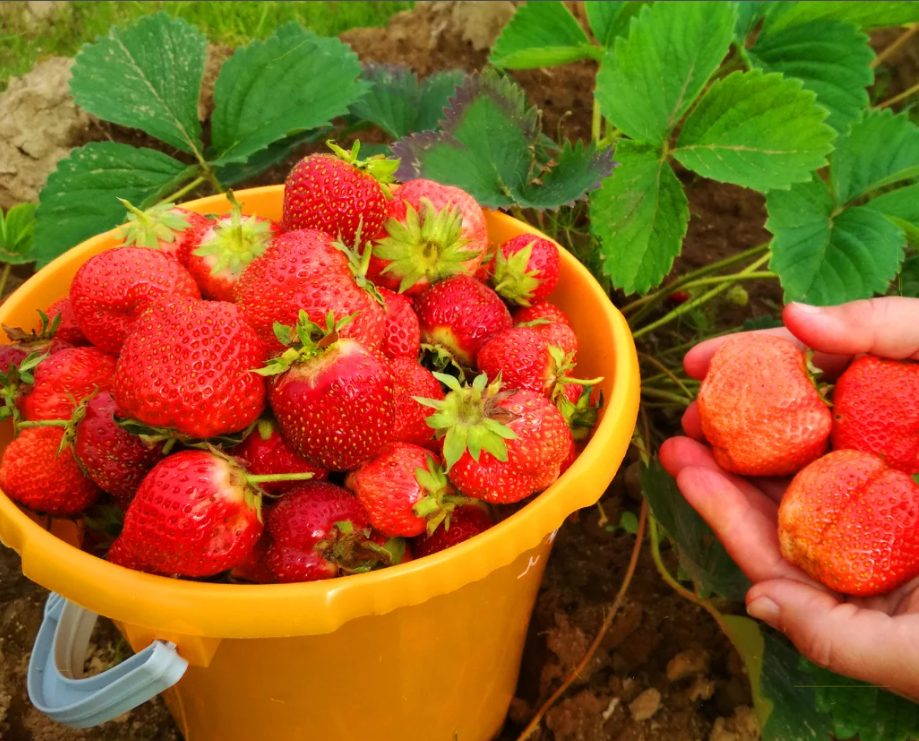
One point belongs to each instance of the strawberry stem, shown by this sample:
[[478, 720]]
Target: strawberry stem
[[269, 477], [45, 423]]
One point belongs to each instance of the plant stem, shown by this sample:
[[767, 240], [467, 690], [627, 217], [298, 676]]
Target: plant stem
[[183, 190], [690, 305], [897, 98], [44, 423], [715, 280], [269, 477], [895, 44], [4, 277], [666, 396], [596, 121], [666, 371], [598, 639]]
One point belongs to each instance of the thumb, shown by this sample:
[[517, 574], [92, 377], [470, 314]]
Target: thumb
[[841, 636]]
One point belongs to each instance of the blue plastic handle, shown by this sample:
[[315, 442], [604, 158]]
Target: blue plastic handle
[[55, 682]]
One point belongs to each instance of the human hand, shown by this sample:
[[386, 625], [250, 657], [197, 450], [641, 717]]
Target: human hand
[[873, 639]]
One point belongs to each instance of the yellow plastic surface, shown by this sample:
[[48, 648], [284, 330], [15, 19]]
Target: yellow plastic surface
[[427, 651]]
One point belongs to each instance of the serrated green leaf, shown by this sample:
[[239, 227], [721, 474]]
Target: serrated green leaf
[[269, 90], [17, 234], [651, 78], [436, 91], [610, 20], [825, 258], [831, 58], [541, 34], [640, 216], [236, 172], [877, 150], [80, 198], [701, 554], [749, 13], [909, 277], [865, 15], [902, 207], [146, 76], [578, 169], [755, 130]]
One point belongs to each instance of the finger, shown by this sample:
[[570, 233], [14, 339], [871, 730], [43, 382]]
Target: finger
[[861, 643], [887, 326], [744, 520], [692, 424]]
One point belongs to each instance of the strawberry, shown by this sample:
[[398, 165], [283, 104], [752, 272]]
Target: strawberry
[[265, 452], [187, 366], [460, 314], [411, 418], [319, 531], [333, 396], [851, 522], [112, 289], [112, 458], [500, 446], [523, 359], [399, 549], [442, 233], [165, 227], [338, 193], [64, 379], [38, 474], [120, 555], [196, 514], [580, 411], [760, 410], [305, 271], [570, 459], [876, 409], [11, 356], [466, 522], [526, 269], [254, 568], [225, 249], [551, 323], [404, 490], [68, 330], [401, 335]]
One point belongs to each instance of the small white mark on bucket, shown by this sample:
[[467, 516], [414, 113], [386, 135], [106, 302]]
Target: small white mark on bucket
[[530, 565], [552, 535]]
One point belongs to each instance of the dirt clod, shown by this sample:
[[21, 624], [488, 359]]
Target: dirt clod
[[741, 726], [687, 663], [645, 705]]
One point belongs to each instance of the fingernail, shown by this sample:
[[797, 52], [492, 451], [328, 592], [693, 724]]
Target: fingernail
[[806, 308], [763, 608]]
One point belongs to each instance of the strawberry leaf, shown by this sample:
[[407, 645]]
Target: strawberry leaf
[[864, 15], [909, 279], [831, 58], [236, 172], [755, 130], [80, 198], [827, 257], [902, 208], [269, 90], [878, 150], [17, 234], [542, 34], [577, 170], [749, 14], [146, 76], [609, 20], [640, 215], [650, 79]]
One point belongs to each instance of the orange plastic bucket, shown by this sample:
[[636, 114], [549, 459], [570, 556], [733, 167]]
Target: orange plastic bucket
[[426, 651]]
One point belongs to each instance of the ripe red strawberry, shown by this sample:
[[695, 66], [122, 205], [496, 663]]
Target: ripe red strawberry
[[11, 356], [460, 314], [305, 271], [411, 418], [876, 409], [851, 522], [265, 452], [225, 249], [402, 335], [166, 227], [571, 458], [760, 410], [404, 490], [112, 289], [338, 194], [34, 474], [319, 531], [440, 231], [188, 367], [526, 269], [112, 458], [67, 331], [500, 446], [551, 323], [254, 568], [196, 514], [465, 523], [332, 396], [120, 555], [523, 359], [64, 379]]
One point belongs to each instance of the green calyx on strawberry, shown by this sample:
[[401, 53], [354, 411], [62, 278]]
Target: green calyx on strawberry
[[439, 501], [378, 167], [303, 341], [471, 418], [426, 245], [35, 340], [513, 282], [151, 435], [359, 264], [161, 223], [581, 415], [12, 383]]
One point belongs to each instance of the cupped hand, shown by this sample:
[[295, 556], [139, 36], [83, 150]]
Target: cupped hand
[[873, 639]]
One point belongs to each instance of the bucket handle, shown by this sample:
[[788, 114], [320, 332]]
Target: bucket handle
[[55, 681]]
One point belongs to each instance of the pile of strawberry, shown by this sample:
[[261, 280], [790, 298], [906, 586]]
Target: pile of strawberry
[[850, 517], [339, 392]]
